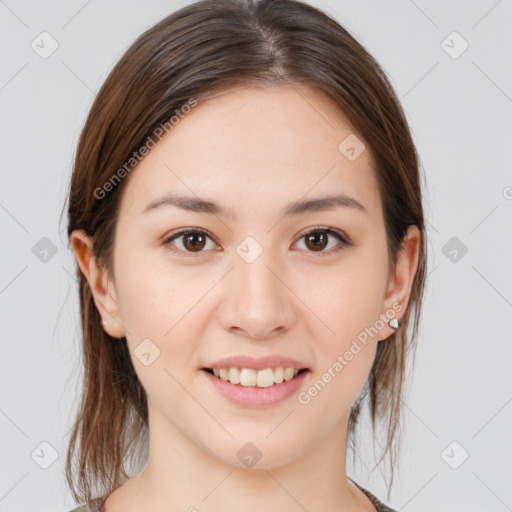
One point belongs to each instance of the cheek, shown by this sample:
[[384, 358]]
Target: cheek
[[154, 296], [157, 310], [346, 299], [163, 305], [344, 341]]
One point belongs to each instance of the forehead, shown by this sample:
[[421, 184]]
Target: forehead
[[250, 147]]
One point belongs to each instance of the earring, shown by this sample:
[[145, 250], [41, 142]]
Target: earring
[[103, 322], [393, 323]]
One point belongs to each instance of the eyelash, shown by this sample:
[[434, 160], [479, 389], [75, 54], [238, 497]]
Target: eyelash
[[345, 242]]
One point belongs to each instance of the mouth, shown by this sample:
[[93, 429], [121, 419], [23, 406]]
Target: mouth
[[249, 377]]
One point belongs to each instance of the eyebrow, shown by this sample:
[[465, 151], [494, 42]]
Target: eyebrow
[[199, 205]]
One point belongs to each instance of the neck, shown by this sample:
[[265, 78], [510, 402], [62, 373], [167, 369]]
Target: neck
[[179, 475]]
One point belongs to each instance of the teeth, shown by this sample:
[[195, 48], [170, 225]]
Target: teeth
[[248, 377], [234, 376], [260, 378], [265, 378], [288, 373]]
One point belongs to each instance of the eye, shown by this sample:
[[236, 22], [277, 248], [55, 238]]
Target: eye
[[316, 240], [192, 240]]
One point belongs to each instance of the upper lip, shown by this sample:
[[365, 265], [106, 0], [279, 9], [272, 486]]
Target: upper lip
[[257, 363]]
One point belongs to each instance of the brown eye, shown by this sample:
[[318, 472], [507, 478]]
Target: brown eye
[[192, 241], [319, 239]]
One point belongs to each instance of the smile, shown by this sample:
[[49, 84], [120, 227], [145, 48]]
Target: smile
[[264, 378], [256, 388]]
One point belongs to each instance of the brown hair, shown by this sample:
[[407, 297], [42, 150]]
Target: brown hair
[[200, 49]]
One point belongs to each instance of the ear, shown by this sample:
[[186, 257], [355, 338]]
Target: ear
[[101, 286], [400, 283]]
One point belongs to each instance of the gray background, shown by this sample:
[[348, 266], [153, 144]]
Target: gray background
[[459, 108]]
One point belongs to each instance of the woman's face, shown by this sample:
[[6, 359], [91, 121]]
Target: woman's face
[[251, 283]]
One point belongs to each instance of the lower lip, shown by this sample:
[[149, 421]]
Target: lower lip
[[252, 396]]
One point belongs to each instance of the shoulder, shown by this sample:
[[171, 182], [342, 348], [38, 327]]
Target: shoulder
[[96, 505]]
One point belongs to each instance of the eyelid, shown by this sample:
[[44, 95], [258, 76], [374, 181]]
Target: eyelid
[[329, 229]]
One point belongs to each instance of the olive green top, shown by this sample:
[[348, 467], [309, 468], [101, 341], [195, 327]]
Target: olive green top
[[381, 507]]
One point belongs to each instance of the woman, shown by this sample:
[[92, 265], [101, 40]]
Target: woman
[[246, 214]]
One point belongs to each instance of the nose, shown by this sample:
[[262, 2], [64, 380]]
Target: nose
[[257, 302]]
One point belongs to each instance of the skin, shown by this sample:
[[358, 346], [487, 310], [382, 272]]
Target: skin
[[253, 151]]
